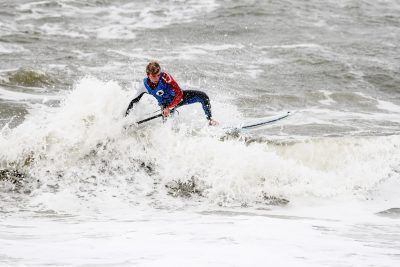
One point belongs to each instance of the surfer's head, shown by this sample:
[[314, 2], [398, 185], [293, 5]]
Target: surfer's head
[[153, 71]]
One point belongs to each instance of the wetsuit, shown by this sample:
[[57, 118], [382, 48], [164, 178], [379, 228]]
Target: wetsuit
[[170, 95]]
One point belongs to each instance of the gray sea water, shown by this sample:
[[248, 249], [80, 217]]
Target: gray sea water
[[78, 180]]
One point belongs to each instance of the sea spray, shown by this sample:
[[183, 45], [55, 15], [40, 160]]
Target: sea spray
[[83, 150]]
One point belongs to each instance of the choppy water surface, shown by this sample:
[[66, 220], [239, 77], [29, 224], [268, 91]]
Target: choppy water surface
[[319, 188]]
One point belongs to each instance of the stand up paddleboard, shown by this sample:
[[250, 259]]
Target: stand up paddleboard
[[261, 122]]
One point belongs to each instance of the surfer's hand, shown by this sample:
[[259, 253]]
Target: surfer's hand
[[165, 112]]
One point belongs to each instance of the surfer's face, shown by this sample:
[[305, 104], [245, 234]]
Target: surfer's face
[[154, 77]]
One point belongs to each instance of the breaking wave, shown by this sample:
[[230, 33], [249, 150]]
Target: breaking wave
[[85, 149]]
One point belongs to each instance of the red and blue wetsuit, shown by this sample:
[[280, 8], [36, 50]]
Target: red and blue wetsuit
[[170, 95]]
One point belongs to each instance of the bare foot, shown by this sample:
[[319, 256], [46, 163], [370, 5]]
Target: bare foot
[[212, 122]]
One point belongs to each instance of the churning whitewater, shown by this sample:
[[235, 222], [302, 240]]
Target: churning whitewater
[[86, 148], [83, 185]]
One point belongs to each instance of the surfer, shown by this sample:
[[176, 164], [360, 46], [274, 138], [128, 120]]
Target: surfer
[[169, 95]]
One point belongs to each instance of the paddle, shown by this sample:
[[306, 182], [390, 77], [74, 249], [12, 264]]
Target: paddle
[[149, 119], [157, 116]]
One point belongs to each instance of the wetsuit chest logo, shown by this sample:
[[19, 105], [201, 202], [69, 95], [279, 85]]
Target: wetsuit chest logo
[[160, 93]]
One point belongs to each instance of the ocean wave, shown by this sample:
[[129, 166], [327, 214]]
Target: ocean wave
[[106, 20], [84, 149], [11, 48], [29, 78]]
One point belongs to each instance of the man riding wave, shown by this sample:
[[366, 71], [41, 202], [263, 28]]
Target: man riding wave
[[169, 95]]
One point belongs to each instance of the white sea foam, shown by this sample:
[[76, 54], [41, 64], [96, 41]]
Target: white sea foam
[[198, 51], [11, 48], [381, 104], [111, 21], [26, 97], [57, 29], [211, 47], [226, 238], [328, 100], [325, 116], [386, 105], [294, 46], [7, 28], [84, 140], [254, 71]]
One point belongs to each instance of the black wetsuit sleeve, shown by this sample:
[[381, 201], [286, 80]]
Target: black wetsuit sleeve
[[135, 100]]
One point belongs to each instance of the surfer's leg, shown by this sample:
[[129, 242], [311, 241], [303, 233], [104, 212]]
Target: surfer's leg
[[194, 96]]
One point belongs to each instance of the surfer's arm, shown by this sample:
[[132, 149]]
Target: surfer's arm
[[177, 90], [135, 100]]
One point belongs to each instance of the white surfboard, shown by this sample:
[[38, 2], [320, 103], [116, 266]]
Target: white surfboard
[[261, 122]]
